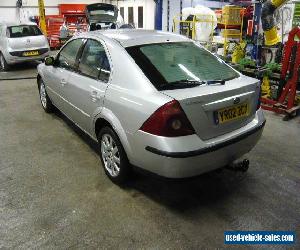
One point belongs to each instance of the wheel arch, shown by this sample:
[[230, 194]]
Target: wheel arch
[[38, 78], [5, 59], [107, 118], [100, 123]]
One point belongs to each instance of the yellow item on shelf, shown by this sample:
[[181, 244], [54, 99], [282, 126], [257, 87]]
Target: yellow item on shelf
[[238, 52], [277, 3], [265, 87], [271, 36]]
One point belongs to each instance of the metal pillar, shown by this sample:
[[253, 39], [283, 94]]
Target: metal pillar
[[42, 17], [158, 14]]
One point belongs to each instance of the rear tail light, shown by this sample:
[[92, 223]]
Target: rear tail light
[[169, 121]]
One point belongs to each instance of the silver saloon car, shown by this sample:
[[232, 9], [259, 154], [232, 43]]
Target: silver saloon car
[[21, 43], [157, 101]]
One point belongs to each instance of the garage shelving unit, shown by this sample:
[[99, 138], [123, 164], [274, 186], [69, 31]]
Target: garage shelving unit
[[230, 22]]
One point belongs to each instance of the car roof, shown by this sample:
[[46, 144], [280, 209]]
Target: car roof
[[134, 37], [8, 24]]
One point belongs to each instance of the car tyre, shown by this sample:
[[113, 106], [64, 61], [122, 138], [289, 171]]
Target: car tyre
[[44, 98], [3, 64], [113, 156]]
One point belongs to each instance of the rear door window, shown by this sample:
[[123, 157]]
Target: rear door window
[[94, 62], [23, 31], [67, 58]]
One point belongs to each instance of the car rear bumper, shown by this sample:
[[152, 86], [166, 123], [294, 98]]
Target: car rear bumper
[[207, 149], [209, 155], [13, 58]]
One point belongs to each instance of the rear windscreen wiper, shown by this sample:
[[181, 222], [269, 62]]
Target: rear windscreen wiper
[[186, 81], [181, 84], [210, 82]]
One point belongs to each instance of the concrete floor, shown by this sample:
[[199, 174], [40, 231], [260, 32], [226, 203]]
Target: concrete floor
[[55, 195]]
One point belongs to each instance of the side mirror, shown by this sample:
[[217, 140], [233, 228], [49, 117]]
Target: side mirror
[[49, 60]]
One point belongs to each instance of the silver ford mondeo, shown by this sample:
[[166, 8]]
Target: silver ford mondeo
[[157, 101]]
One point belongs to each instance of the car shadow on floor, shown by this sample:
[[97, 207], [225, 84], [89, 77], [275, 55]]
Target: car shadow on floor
[[190, 193], [24, 66], [20, 71], [177, 194], [88, 140]]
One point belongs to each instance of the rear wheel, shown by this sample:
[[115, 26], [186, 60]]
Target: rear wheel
[[44, 98], [3, 64], [113, 156]]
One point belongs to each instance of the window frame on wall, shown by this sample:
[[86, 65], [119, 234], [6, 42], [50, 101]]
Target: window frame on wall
[[130, 20], [141, 17], [122, 12]]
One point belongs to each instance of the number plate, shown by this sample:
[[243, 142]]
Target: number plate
[[232, 113], [31, 53]]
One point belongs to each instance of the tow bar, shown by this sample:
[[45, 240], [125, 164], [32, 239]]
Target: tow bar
[[239, 165]]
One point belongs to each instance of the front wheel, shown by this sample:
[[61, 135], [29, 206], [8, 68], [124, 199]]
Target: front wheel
[[113, 156], [44, 98], [3, 64]]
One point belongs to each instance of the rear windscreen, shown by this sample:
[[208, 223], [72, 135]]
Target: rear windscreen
[[23, 31], [102, 12], [168, 63], [101, 9]]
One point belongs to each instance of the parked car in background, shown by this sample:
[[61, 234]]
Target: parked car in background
[[21, 43], [103, 16], [155, 100]]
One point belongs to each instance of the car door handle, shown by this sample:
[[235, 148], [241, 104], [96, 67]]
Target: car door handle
[[63, 82], [95, 96]]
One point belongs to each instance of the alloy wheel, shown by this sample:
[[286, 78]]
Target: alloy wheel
[[2, 62], [110, 155], [43, 95]]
